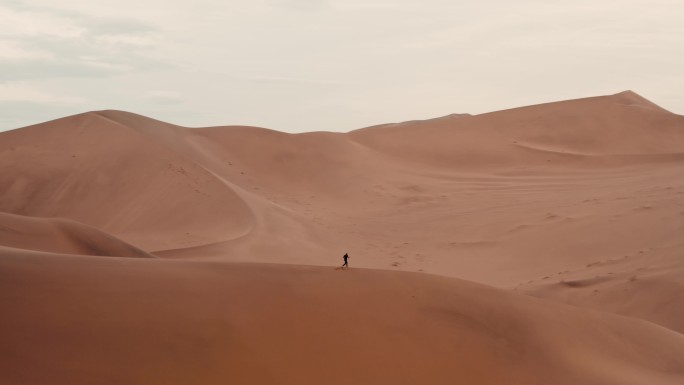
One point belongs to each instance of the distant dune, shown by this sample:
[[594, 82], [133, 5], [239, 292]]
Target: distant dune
[[223, 242], [608, 130]]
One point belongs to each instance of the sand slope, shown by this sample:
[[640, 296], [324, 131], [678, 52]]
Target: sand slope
[[648, 286], [176, 322], [613, 130], [94, 170], [62, 236]]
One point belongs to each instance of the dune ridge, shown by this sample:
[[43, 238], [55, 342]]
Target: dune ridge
[[267, 323]]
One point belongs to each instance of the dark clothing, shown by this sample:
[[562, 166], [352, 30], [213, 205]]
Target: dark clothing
[[346, 262]]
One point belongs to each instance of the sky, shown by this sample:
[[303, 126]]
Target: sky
[[329, 65]]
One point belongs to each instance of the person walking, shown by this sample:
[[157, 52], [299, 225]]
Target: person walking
[[346, 260]]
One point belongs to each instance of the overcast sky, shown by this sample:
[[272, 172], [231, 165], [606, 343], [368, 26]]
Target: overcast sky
[[337, 65]]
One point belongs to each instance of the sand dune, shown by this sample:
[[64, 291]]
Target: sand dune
[[600, 130], [96, 171], [62, 236], [578, 202], [262, 324]]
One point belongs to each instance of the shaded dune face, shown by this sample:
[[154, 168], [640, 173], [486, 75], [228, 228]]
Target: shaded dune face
[[62, 236], [578, 202]]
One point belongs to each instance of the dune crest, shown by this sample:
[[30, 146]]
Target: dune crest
[[265, 324]]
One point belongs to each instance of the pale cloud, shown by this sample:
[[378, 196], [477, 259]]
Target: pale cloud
[[103, 65], [34, 23], [164, 97], [299, 5], [122, 39], [38, 43], [336, 64], [20, 92], [12, 51], [290, 80]]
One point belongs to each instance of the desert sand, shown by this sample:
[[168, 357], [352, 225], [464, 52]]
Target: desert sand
[[537, 245]]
